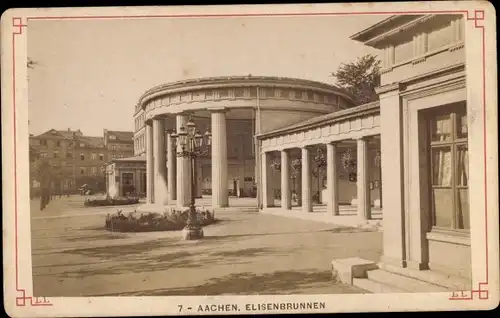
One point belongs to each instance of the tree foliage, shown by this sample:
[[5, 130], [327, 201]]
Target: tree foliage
[[360, 77]]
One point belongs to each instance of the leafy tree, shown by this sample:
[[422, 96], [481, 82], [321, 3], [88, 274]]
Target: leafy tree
[[360, 78]]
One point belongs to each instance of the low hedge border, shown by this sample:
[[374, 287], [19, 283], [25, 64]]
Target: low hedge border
[[110, 202], [172, 220]]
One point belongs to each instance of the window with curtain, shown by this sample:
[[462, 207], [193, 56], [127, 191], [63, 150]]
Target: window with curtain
[[449, 167]]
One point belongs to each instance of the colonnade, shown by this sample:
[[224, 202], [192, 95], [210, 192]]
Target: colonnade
[[332, 176], [169, 175]]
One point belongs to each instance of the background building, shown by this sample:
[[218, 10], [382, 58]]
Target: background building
[[119, 144], [75, 159]]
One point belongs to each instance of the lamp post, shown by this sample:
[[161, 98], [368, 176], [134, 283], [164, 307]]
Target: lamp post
[[192, 145]]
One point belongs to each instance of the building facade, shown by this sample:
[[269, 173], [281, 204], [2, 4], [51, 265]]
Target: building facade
[[119, 144], [426, 132], [76, 159], [407, 153], [126, 176], [234, 109], [423, 128]]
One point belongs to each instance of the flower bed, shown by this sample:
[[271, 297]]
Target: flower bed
[[109, 201], [173, 220]]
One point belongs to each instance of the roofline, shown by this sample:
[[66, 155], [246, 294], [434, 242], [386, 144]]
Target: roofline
[[220, 79], [357, 36], [372, 107]]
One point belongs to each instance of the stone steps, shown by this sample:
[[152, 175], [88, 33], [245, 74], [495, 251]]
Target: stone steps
[[237, 209], [382, 278], [452, 283], [403, 282]]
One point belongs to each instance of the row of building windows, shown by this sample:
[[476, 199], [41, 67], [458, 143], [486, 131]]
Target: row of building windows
[[264, 92], [140, 143], [56, 143], [69, 155], [139, 121], [117, 156], [424, 42], [92, 170]]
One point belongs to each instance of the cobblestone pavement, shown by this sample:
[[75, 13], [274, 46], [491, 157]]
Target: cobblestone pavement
[[243, 253]]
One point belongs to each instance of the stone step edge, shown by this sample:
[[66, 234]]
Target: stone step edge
[[439, 279], [397, 279]]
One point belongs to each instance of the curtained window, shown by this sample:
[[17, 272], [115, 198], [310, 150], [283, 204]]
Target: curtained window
[[449, 167]]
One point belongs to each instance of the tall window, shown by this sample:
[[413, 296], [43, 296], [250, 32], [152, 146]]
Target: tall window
[[101, 156], [82, 171], [449, 163], [93, 156], [82, 156]]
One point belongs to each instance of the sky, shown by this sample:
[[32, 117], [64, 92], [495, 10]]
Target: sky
[[89, 74]]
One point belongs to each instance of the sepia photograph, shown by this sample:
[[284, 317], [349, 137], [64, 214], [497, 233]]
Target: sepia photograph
[[226, 154]]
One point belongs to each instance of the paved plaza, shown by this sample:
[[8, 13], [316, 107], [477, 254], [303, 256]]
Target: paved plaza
[[243, 253]]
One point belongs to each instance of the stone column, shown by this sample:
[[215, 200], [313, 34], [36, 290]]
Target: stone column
[[171, 161], [286, 193], [219, 160], [183, 170], [332, 179], [306, 180], [363, 179], [149, 163], [160, 168], [267, 181]]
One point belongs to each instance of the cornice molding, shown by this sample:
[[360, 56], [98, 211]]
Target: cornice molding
[[404, 28], [366, 110], [389, 88], [240, 82]]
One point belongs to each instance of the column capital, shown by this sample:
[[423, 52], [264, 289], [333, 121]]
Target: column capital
[[218, 109], [333, 143]]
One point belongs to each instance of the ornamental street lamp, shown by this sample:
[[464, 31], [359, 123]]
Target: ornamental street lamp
[[192, 145]]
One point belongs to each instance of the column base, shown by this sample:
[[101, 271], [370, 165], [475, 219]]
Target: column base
[[192, 233], [417, 265], [392, 261], [307, 209]]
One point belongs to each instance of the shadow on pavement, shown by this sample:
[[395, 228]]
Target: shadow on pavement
[[278, 282]]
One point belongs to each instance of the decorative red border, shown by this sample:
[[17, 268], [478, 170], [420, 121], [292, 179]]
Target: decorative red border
[[18, 25]]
